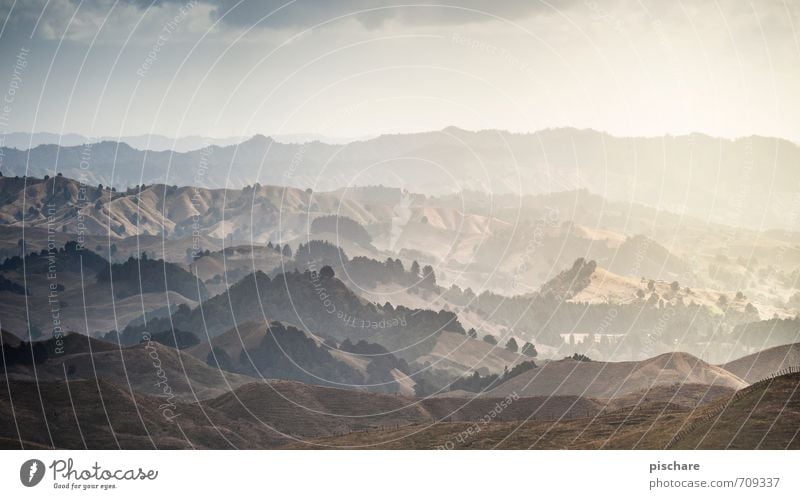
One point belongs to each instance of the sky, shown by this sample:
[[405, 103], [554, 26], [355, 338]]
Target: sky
[[356, 68]]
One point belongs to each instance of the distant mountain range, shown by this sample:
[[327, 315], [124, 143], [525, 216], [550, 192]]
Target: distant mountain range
[[149, 142], [748, 182]]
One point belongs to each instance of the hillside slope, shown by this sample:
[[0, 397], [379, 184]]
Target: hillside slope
[[152, 369], [90, 414], [765, 416], [754, 367], [611, 379], [312, 411]]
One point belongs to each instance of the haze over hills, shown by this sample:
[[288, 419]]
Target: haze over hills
[[543, 290], [291, 316], [709, 178], [361, 224], [464, 237]]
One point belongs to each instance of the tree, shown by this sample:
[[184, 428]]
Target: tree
[[529, 349], [674, 286], [651, 285], [511, 345], [722, 301], [326, 272], [472, 333], [423, 388], [287, 251], [490, 339], [640, 293], [414, 269], [428, 277]]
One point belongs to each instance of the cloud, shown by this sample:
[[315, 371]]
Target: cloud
[[54, 16], [81, 21], [278, 14]]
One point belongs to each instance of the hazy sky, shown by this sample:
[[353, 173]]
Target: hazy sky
[[351, 68]]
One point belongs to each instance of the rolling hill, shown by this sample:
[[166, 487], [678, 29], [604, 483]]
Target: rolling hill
[[148, 368], [612, 379], [764, 363], [312, 411], [260, 349], [320, 305], [96, 414], [764, 416], [278, 413]]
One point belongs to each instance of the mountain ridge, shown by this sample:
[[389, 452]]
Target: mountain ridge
[[681, 168]]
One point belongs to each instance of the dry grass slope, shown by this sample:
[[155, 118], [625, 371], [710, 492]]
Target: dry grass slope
[[752, 368], [99, 415], [766, 416], [137, 367], [612, 379]]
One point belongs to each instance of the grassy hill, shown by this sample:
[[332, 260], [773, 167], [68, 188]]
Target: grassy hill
[[611, 379], [96, 414], [260, 349], [277, 413], [313, 411], [145, 368], [763, 417], [754, 367]]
